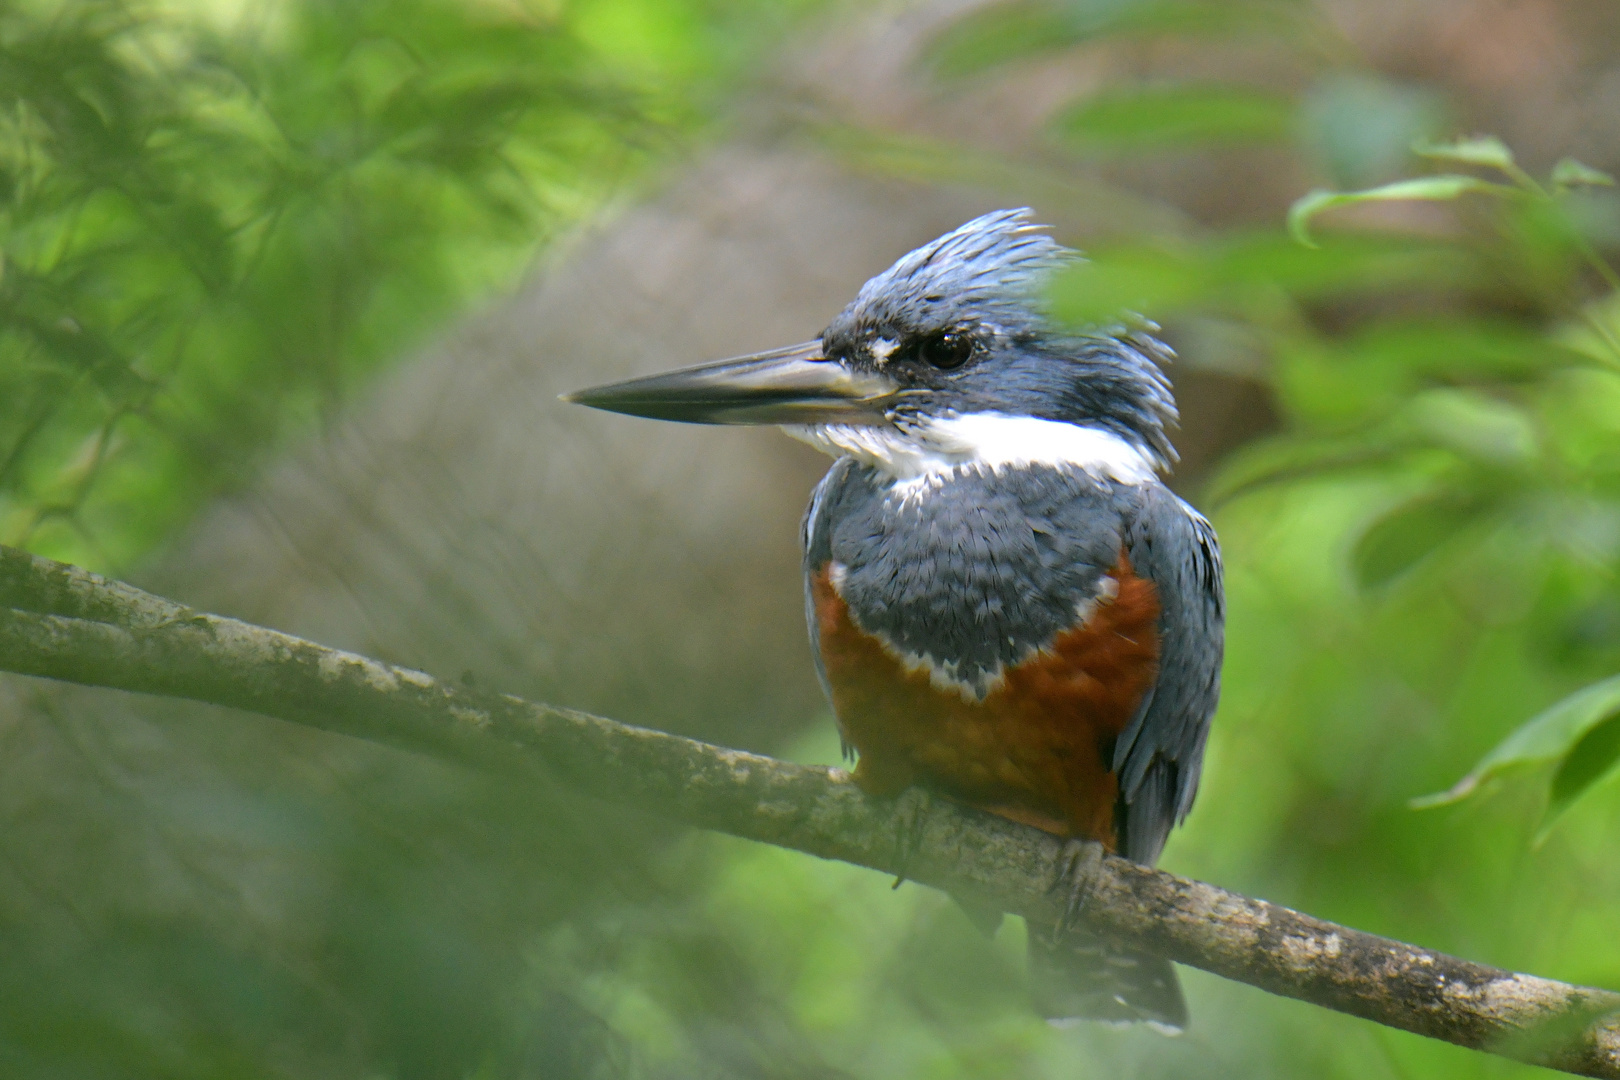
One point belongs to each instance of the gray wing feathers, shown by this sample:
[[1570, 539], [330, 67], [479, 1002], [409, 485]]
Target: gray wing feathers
[[816, 540], [1159, 756]]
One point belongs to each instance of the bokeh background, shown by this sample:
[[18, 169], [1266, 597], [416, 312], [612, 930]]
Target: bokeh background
[[288, 289]]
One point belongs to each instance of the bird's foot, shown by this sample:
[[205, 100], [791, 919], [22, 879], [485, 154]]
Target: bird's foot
[[1076, 873]]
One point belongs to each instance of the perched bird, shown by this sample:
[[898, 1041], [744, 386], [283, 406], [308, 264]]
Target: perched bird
[[1006, 604]]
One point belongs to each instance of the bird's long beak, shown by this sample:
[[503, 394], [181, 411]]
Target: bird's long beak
[[796, 385]]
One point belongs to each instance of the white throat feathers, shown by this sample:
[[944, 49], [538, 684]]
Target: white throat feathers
[[930, 446]]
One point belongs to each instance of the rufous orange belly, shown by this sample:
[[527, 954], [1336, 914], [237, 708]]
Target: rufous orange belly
[[1036, 748]]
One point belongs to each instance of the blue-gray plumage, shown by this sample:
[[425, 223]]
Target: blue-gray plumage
[[1160, 756], [1006, 603], [979, 575]]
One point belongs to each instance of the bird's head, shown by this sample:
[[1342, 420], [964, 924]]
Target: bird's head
[[947, 357]]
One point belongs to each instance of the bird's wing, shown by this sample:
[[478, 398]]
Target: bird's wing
[[815, 539], [1159, 756]]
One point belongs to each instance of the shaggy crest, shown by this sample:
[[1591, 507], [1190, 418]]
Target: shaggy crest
[[989, 271], [986, 280]]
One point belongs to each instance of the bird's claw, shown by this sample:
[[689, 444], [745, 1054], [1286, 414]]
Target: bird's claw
[[1077, 867]]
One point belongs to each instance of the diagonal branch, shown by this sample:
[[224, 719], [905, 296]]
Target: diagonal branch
[[60, 622]]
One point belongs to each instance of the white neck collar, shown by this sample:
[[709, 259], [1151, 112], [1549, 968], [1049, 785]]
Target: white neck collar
[[929, 446]]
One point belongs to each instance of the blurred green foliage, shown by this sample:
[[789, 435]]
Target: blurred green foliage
[[1423, 556], [999, 33], [214, 229], [1175, 117], [1436, 360], [1581, 735]]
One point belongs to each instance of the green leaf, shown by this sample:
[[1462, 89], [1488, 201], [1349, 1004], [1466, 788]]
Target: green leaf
[[1459, 347], [1552, 736], [1241, 271], [1411, 532], [1473, 424], [1145, 279], [1486, 150], [1587, 762], [1353, 265], [1176, 116], [1441, 188], [1570, 173], [1281, 459], [1000, 33]]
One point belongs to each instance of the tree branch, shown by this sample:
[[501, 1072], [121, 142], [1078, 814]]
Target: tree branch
[[60, 622]]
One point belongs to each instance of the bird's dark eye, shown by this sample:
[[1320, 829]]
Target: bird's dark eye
[[946, 351]]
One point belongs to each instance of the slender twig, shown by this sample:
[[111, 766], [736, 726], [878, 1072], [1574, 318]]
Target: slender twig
[[60, 622]]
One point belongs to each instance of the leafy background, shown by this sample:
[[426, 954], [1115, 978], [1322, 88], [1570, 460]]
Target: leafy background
[[222, 227]]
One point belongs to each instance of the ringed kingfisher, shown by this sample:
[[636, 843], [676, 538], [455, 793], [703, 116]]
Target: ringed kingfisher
[[1006, 604]]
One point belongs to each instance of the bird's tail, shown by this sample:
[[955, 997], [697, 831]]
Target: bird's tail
[[1084, 976]]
